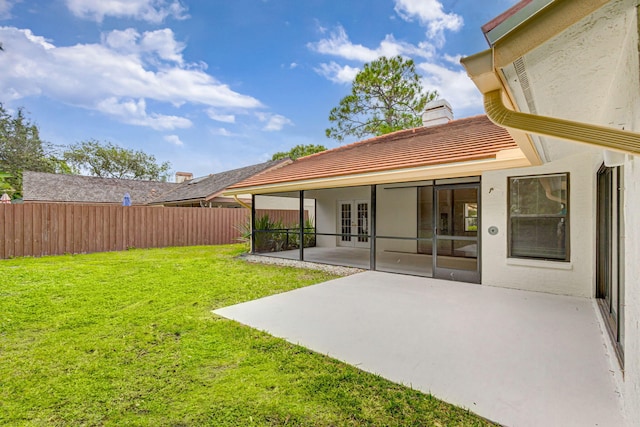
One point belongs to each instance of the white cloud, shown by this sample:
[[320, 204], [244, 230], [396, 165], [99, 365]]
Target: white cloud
[[174, 139], [125, 66], [452, 59], [225, 118], [293, 65], [453, 85], [430, 14], [160, 43], [222, 132], [275, 122], [163, 43], [154, 11], [135, 113], [338, 44], [337, 73], [5, 8]]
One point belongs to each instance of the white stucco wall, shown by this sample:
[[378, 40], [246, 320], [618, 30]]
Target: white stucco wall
[[286, 203], [397, 216], [622, 110], [573, 278], [326, 209], [591, 73], [631, 385]]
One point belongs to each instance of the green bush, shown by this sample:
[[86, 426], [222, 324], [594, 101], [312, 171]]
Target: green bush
[[275, 236]]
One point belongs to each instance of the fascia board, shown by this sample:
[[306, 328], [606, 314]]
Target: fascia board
[[509, 159]]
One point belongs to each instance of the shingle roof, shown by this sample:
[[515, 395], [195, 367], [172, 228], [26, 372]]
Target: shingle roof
[[462, 140], [206, 187], [48, 187]]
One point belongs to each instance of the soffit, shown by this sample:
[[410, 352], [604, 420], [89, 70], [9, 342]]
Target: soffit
[[572, 76]]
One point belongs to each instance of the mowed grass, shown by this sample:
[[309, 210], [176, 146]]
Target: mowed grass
[[129, 339]]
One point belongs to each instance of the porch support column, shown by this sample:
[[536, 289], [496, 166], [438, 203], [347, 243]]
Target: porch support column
[[253, 223], [372, 227], [301, 237]]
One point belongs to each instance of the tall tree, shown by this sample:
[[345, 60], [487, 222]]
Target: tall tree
[[386, 95], [107, 160], [5, 187], [22, 149], [299, 151]]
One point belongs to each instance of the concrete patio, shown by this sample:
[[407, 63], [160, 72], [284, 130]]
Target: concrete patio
[[518, 358]]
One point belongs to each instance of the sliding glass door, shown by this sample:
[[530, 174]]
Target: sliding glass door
[[456, 233], [448, 230], [609, 258]]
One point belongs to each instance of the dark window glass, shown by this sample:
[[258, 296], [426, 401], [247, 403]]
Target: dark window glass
[[538, 217]]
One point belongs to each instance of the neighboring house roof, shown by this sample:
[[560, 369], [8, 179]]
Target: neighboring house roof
[[208, 187], [48, 187], [464, 140]]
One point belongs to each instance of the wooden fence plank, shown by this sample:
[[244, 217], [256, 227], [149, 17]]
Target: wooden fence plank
[[36, 229], [18, 236], [56, 232], [10, 232], [40, 229], [4, 211], [47, 229], [106, 235], [91, 229], [118, 229], [27, 230], [69, 229]]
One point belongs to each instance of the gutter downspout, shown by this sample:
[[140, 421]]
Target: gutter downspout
[[240, 202], [599, 136]]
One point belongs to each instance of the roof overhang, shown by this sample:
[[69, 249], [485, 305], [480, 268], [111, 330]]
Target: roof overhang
[[539, 26], [531, 31], [505, 159]]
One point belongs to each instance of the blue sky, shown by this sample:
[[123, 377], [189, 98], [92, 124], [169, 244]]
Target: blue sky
[[212, 85]]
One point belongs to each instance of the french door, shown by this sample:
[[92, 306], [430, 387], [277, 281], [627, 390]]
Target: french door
[[353, 223]]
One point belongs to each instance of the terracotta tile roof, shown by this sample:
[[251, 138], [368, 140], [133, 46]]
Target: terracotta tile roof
[[462, 140]]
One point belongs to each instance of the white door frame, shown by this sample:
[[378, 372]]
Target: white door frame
[[358, 223]]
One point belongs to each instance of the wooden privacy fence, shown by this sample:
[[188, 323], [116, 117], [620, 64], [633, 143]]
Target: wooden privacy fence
[[55, 229]]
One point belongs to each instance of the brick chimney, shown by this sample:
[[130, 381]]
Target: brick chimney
[[183, 176], [436, 113]]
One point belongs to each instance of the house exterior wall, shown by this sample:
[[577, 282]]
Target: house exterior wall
[[327, 213], [397, 216], [621, 109], [590, 73], [631, 240], [287, 203], [577, 277]]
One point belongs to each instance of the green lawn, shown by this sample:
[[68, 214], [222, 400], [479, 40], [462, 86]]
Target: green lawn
[[128, 338]]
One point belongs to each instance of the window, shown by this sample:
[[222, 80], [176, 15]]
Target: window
[[538, 217], [470, 217]]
